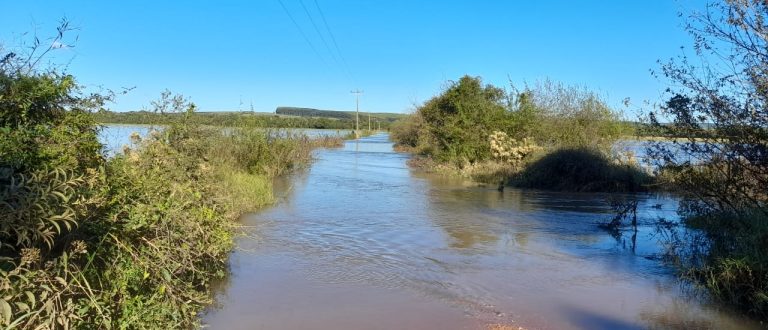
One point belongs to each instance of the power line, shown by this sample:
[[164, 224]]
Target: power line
[[333, 39], [312, 20], [311, 45]]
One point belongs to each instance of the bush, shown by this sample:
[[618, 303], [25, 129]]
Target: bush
[[132, 242], [733, 266], [454, 126], [405, 132], [567, 116], [583, 170]]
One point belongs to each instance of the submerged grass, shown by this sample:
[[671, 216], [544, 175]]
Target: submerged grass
[[733, 266]]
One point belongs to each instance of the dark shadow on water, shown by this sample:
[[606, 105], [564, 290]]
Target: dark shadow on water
[[585, 319]]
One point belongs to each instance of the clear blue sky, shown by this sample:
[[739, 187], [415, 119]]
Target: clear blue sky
[[400, 52]]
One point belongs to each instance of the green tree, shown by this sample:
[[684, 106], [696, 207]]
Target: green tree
[[460, 119]]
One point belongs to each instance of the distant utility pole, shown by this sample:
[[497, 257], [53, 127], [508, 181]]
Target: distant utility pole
[[357, 93]]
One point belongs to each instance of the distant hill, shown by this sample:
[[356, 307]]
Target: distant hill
[[345, 115]]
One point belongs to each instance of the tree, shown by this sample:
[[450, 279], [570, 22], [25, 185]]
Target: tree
[[718, 107], [460, 119]]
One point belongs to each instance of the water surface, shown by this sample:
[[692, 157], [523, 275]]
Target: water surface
[[116, 136], [360, 241]]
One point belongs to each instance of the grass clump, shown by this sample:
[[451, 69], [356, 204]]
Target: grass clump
[[730, 261], [582, 170]]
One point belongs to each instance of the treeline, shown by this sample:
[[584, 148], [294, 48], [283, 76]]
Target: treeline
[[377, 117], [229, 119], [309, 112], [284, 118]]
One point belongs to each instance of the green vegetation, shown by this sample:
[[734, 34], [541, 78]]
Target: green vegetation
[[283, 118], [720, 166], [483, 132], [130, 242], [733, 265], [384, 118], [227, 119]]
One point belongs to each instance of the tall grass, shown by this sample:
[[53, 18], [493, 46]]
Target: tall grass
[[726, 255]]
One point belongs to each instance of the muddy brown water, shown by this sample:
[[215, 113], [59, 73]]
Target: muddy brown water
[[360, 241]]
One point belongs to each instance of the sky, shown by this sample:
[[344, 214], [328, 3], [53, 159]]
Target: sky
[[238, 55]]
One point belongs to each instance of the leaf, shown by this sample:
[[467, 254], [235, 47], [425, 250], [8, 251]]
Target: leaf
[[166, 275], [31, 298], [5, 311], [22, 306], [61, 196]]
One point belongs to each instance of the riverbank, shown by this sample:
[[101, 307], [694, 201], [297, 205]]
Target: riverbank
[[136, 239]]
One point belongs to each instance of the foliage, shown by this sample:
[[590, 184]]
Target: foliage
[[380, 117], [132, 242], [405, 132], [511, 151], [457, 122], [721, 114], [725, 254], [581, 169], [486, 133], [718, 106], [565, 116]]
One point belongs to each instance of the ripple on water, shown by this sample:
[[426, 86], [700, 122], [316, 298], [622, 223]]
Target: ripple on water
[[361, 240]]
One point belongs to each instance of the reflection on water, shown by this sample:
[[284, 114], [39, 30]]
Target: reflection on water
[[360, 241]]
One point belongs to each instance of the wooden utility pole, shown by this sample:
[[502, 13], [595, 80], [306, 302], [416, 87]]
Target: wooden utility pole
[[357, 111]]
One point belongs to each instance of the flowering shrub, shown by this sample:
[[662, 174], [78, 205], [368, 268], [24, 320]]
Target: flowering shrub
[[511, 151]]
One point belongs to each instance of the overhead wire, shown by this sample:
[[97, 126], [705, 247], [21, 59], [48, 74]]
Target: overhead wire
[[311, 45], [314, 25], [333, 40]]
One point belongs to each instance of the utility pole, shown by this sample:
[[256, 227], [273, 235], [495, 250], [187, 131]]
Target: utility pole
[[357, 111], [369, 121]]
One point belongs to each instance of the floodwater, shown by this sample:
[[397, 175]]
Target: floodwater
[[360, 241], [116, 136]]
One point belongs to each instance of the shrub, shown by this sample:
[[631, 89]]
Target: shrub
[[570, 116], [720, 163], [455, 124], [405, 132], [510, 151], [733, 265]]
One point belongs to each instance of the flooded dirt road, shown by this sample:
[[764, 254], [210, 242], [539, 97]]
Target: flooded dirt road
[[360, 241]]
